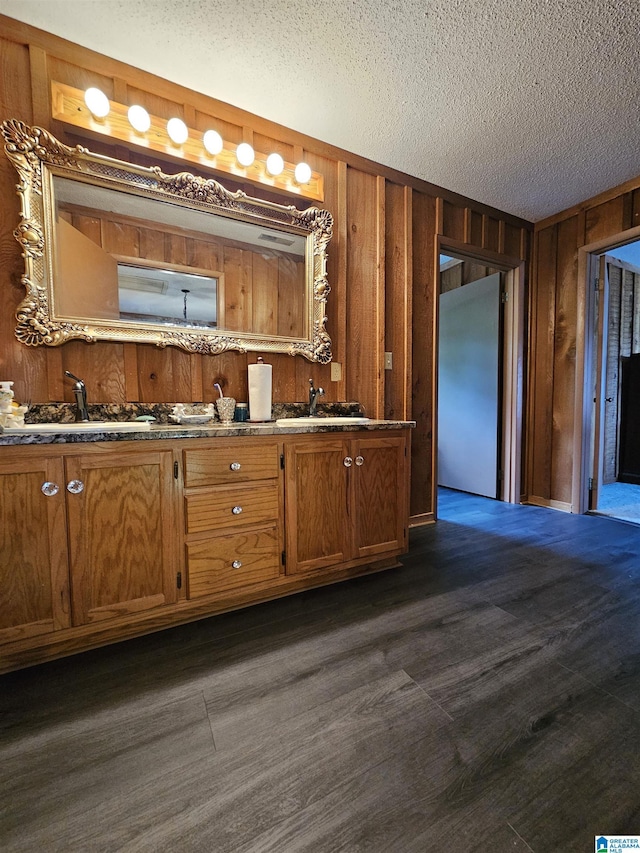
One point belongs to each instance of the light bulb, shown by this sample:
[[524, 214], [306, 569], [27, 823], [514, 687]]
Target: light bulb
[[245, 154], [212, 141], [97, 102], [177, 130], [275, 164], [139, 118], [303, 173]]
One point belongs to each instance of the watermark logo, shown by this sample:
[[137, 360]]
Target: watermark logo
[[617, 843]]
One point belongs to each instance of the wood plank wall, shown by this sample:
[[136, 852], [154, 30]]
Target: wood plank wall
[[382, 259], [557, 305]]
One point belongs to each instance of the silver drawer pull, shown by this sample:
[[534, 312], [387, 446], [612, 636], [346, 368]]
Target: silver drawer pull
[[75, 487], [347, 462], [235, 466], [237, 564], [359, 460], [49, 489], [236, 510]]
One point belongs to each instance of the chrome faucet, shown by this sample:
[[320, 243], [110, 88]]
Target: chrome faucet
[[314, 393], [80, 393]]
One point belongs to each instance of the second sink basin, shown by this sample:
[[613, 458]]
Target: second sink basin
[[318, 421]]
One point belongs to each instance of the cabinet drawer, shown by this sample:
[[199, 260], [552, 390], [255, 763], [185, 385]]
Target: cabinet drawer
[[231, 463], [231, 507], [236, 560]]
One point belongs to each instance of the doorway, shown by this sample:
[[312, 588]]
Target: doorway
[[469, 399], [614, 481], [480, 373]]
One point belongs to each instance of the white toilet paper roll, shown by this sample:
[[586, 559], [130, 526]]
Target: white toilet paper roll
[[260, 391]]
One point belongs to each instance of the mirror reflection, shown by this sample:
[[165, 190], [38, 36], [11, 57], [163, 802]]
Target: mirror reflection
[[157, 263]]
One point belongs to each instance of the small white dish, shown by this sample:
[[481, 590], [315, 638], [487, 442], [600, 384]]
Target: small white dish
[[191, 419]]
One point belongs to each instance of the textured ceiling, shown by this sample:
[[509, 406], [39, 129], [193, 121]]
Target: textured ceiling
[[527, 106]]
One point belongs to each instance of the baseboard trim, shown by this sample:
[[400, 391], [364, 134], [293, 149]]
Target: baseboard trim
[[422, 519], [563, 506]]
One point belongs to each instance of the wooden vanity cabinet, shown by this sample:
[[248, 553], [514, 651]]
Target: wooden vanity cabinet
[[34, 593], [346, 499], [100, 541], [122, 537], [85, 536], [233, 522]]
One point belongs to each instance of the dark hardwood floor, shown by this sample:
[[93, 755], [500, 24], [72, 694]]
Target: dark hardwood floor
[[485, 696]]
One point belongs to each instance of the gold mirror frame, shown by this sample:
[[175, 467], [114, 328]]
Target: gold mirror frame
[[38, 156]]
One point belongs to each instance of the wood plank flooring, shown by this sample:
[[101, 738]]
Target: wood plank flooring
[[485, 696]]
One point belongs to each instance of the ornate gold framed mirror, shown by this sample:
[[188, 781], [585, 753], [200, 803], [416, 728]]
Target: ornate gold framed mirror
[[119, 252]]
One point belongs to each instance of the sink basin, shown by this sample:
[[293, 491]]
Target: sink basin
[[82, 426], [330, 421]]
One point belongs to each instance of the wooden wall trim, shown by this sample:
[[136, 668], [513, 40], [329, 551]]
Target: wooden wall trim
[[588, 204], [585, 356], [39, 90], [421, 519], [380, 292], [407, 307], [340, 235], [477, 253], [563, 506]]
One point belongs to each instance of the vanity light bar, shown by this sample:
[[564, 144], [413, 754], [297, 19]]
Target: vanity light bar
[[68, 105]]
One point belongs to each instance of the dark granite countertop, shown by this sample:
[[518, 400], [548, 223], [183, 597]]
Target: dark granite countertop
[[213, 430]]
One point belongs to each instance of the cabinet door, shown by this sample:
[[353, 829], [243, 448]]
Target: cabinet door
[[379, 494], [122, 530], [34, 581], [317, 503]]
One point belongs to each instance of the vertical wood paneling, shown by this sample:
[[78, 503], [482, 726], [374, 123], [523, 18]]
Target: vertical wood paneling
[[423, 343], [604, 219], [612, 377], [635, 208], [490, 233], [363, 258], [26, 367], [165, 375], [453, 218], [398, 274], [475, 229], [229, 370], [512, 240], [100, 365], [541, 366], [564, 367]]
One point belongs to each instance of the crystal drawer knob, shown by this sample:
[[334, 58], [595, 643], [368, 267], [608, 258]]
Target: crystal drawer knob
[[236, 510], [75, 487], [235, 466], [347, 462], [359, 460], [237, 564], [49, 489]]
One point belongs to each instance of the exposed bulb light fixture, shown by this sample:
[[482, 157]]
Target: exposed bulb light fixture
[[139, 118], [133, 125], [275, 164], [177, 130], [245, 154], [213, 142], [302, 173], [97, 102]]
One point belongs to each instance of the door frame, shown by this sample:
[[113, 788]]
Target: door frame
[[513, 363], [587, 433]]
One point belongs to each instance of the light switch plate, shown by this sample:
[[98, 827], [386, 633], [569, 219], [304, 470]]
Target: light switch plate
[[388, 361], [336, 371]]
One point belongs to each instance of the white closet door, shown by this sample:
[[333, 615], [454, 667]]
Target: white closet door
[[468, 388]]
